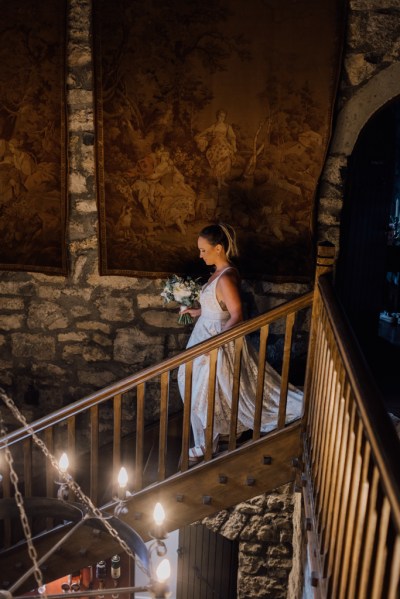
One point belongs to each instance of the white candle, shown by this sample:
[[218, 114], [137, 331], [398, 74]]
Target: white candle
[[396, 214]]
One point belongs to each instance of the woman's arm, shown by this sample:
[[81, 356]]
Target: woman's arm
[[228, 294]]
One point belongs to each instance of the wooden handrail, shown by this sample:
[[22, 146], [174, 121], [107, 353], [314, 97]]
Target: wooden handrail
[[116, 417], [151, 372], [378, 427], [351, 474]]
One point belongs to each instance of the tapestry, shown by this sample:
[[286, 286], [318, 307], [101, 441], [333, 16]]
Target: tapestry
[[212, 111], [32, 136]]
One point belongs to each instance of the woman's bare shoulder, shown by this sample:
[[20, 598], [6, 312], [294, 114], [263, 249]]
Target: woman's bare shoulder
[[230, 277]]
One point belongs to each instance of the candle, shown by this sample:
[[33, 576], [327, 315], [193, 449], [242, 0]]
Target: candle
[[396, 214]]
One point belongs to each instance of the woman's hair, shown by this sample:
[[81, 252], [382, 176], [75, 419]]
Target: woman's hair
[[224, 234]]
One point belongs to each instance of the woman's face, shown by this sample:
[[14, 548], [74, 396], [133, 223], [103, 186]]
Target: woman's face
[[209, 253]]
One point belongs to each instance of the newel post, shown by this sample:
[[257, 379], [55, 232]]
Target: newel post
[[325, 261]]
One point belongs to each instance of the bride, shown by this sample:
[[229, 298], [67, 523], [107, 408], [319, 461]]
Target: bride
[[221, 309]]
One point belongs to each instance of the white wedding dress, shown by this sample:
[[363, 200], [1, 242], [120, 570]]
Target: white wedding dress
[[210, 323]]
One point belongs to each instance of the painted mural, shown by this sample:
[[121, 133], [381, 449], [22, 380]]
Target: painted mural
[[32, 136], [212, 110]]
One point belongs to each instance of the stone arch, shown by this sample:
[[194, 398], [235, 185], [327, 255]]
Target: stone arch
[[379, 90]]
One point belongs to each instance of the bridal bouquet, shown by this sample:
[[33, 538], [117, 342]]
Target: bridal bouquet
[[184, 291]]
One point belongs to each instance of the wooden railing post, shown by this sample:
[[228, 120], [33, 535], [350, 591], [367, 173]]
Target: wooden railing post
[[325, 261]]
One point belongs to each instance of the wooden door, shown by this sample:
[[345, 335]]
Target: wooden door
[[207, 564]]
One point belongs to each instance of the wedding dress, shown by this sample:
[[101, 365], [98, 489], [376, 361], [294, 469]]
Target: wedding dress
[[210, 323]]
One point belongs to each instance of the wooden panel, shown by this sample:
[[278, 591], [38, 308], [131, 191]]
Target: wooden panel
[[207, 564]]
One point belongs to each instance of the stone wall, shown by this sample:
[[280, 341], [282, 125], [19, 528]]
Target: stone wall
[[62, 338], [264, 528], [370, 78]]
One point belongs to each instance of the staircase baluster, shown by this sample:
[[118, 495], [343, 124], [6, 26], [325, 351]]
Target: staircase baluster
[[139, 437], [285, 369], [235, 393], [262, 356], [94, 453], [117, 416], [162, 451]]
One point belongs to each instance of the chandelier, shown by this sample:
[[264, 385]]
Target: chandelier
[[82, 512]]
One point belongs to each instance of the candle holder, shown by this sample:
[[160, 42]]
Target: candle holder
[[123, 493]]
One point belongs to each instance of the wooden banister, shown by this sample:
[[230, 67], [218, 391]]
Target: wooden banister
[[351, 453], [85, 427], [146, 374]]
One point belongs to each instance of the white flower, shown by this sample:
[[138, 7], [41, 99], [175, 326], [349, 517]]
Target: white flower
[[181, 292]]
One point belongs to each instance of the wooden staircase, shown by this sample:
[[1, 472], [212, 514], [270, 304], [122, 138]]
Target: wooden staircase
[[228, 479], [343, 452], [86, 428]]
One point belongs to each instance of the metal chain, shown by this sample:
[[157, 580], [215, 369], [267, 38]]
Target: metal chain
[[72, 485], [22, 513]]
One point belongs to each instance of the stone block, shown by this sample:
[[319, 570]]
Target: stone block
[[71, 337], [11, 322], [40, 347], [71, 350], [94, 325], [95, 354], [48, 293], [49, 369], [86, 206], [77, 183], [11, 303], [46, 315], [115, 309], [234, 526], [162, 319], [358, 69], [214, 523], [102, 340], [150, 300], [252, 564], [95, 378], [133, 346]]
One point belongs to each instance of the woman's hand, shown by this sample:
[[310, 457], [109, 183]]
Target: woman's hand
[[194, 312]]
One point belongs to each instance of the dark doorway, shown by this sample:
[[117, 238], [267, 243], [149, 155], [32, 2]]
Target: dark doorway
[[363, 263]]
